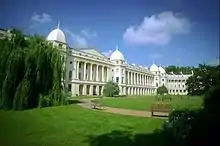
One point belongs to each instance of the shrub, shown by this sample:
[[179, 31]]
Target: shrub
[[179, 124], [162, 90], [110, 89]]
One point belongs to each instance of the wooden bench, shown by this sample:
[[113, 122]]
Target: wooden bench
[[96, 104], [161, 108]]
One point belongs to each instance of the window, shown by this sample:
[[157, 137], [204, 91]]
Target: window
[[122, 79], [112, 70], [71, 62], [60, 45], [70, 74], [183, 86], [117, 79], [117, 69], [156, 84], [69, 87], [116, 62], [112, 78], [184, 90], [180, 91], [162, 79]]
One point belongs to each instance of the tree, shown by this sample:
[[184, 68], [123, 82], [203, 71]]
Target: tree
[[30, 72], [111, 89], [162, 90], [178, 69], [204, 78]]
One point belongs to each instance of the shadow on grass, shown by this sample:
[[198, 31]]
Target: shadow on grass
[[126, 138], [74, 101]]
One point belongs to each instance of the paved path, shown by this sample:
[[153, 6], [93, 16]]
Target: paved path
[[86, 103]]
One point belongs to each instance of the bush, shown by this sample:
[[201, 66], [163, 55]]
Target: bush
[[111, 89], [179, 125], [162, 90]]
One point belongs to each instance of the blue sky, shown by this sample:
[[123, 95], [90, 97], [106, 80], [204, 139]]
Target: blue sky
[[178, 32]]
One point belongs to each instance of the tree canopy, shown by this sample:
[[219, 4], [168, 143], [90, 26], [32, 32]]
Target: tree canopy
[[162, 90], [111, 89], [205, 76], [178, 69], [30, 72]]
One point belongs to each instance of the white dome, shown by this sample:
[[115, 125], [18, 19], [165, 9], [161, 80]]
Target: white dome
[[154, 68], [57, 35], [146, 67], [117, 55], [162, 70]]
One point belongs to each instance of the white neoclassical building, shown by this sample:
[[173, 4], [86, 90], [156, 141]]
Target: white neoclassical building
[[87, 71]]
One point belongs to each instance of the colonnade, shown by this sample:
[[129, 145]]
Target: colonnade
[[90, 72], [90, 78], [134, 78]]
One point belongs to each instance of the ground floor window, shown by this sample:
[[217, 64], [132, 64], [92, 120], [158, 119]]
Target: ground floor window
[[69, 87]]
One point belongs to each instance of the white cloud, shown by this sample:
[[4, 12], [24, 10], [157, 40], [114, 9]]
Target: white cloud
[[108, 53], [157, 29], [77, 40], [88, 33], [41, 18]]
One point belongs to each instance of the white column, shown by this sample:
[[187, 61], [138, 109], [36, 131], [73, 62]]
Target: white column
[[91, 90], [128, 77], [84, 89], [135, 77], [145, 80], [148, 80], [132, 76], [107, 73], [102, 79], [74, 70], [97, 72], [91, 72], [84, 71], [77, 69]]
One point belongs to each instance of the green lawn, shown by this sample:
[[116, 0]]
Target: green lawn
[[144, 102], [74, 126]]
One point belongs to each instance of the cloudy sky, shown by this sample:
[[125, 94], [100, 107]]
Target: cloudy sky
[[178, 32]]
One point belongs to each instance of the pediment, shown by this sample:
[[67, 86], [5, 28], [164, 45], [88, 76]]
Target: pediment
[[93, 52]]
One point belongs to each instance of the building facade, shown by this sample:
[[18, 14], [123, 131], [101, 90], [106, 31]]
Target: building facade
[[88, 70]]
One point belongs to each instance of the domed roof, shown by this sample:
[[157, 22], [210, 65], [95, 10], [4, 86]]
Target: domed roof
[[57, 35], [117, 55], [154, 68], [146, 67], [161, 69]]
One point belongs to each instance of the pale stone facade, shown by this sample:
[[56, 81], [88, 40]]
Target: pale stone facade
[[87, 71]]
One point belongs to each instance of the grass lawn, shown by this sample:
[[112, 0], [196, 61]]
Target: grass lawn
[[74, 126], [144, 102]]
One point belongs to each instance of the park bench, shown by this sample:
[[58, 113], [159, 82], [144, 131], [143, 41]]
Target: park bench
[[162, 109], [96, 104]]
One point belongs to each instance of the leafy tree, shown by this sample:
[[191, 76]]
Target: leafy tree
[[162, 90], [178, 69], [111, 89], [204, 78], [30, 72]]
